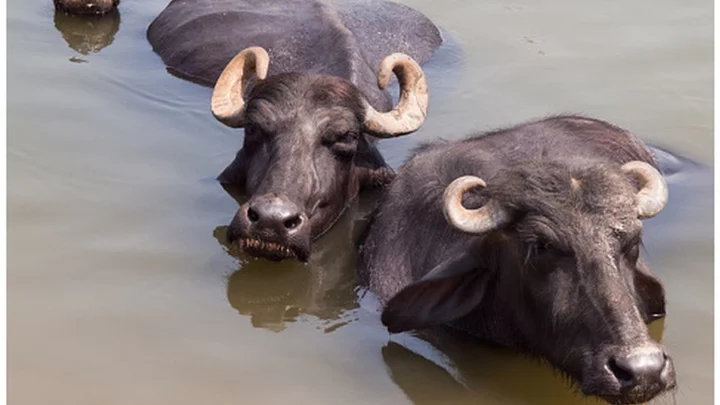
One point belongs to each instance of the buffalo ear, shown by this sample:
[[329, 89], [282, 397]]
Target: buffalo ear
[[448, 292], [373, 171], [650, 292], [234, 173]]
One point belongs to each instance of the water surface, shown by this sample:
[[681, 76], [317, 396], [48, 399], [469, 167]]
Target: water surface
[[121, 290]]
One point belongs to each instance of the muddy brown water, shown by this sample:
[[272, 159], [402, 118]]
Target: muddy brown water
[[121, 291]]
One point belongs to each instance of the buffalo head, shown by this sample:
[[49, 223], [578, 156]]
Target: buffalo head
[[87, 6], [552, 266], [308, 147]]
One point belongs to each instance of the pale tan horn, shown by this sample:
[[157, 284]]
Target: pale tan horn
[[409, 114], [477, 221], [653, 194], [228, 105]]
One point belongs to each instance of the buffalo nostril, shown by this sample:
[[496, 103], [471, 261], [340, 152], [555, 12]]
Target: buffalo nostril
[[292, 223], [252, 215], [273, 216], [624, 377]]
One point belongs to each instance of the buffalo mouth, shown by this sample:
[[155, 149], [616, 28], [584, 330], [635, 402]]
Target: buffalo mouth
[[632, 398], [272, 250]]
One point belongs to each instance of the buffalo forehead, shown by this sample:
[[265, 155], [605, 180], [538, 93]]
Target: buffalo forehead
[[328, 91], [296, 91], [588, 183], [336, 120], [304, 113], [592, 198]]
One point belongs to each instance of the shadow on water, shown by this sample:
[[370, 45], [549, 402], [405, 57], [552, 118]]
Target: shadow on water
[[442, 366], [88, 34], [273, 294]]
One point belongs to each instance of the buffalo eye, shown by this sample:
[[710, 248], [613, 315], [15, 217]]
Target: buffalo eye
[[630, 244], [343, 144], [251, 129], [540, 247], [347, 137], [253, 134], [538, 257], [342, 138], [632, 251], [546, 248]]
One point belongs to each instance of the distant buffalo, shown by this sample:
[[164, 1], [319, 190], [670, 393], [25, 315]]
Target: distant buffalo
[[306, 79], [530, 237], [87, 6]]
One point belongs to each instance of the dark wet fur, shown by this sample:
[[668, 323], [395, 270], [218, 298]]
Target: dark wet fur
[[304, 140], [562, 281]]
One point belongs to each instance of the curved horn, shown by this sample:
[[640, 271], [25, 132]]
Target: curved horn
[[490, 216], [653, 193], [410, 112], [228, 105]]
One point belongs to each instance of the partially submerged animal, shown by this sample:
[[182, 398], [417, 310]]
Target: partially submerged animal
[[530, 237], [86, 6], [301, 77]]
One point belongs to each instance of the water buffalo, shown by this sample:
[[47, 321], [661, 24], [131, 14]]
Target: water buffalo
[[301, 78], [87, 6], [529, 237]]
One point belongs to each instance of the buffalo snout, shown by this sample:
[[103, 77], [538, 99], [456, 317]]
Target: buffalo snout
[[273, 227], [275, 216], [632, 375]]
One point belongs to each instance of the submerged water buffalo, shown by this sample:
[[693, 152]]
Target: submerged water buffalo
[[305, 86], [530, 237], [87, 6]]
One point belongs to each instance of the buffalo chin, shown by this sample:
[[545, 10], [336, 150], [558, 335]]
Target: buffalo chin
[[273, 251], [634, 398]]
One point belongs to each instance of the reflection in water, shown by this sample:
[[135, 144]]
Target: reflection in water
[[477, 373], [424, 382], [275, 293], [88, 33]]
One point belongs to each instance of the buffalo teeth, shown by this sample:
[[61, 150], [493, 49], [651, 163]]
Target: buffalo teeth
[[266, 246]]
